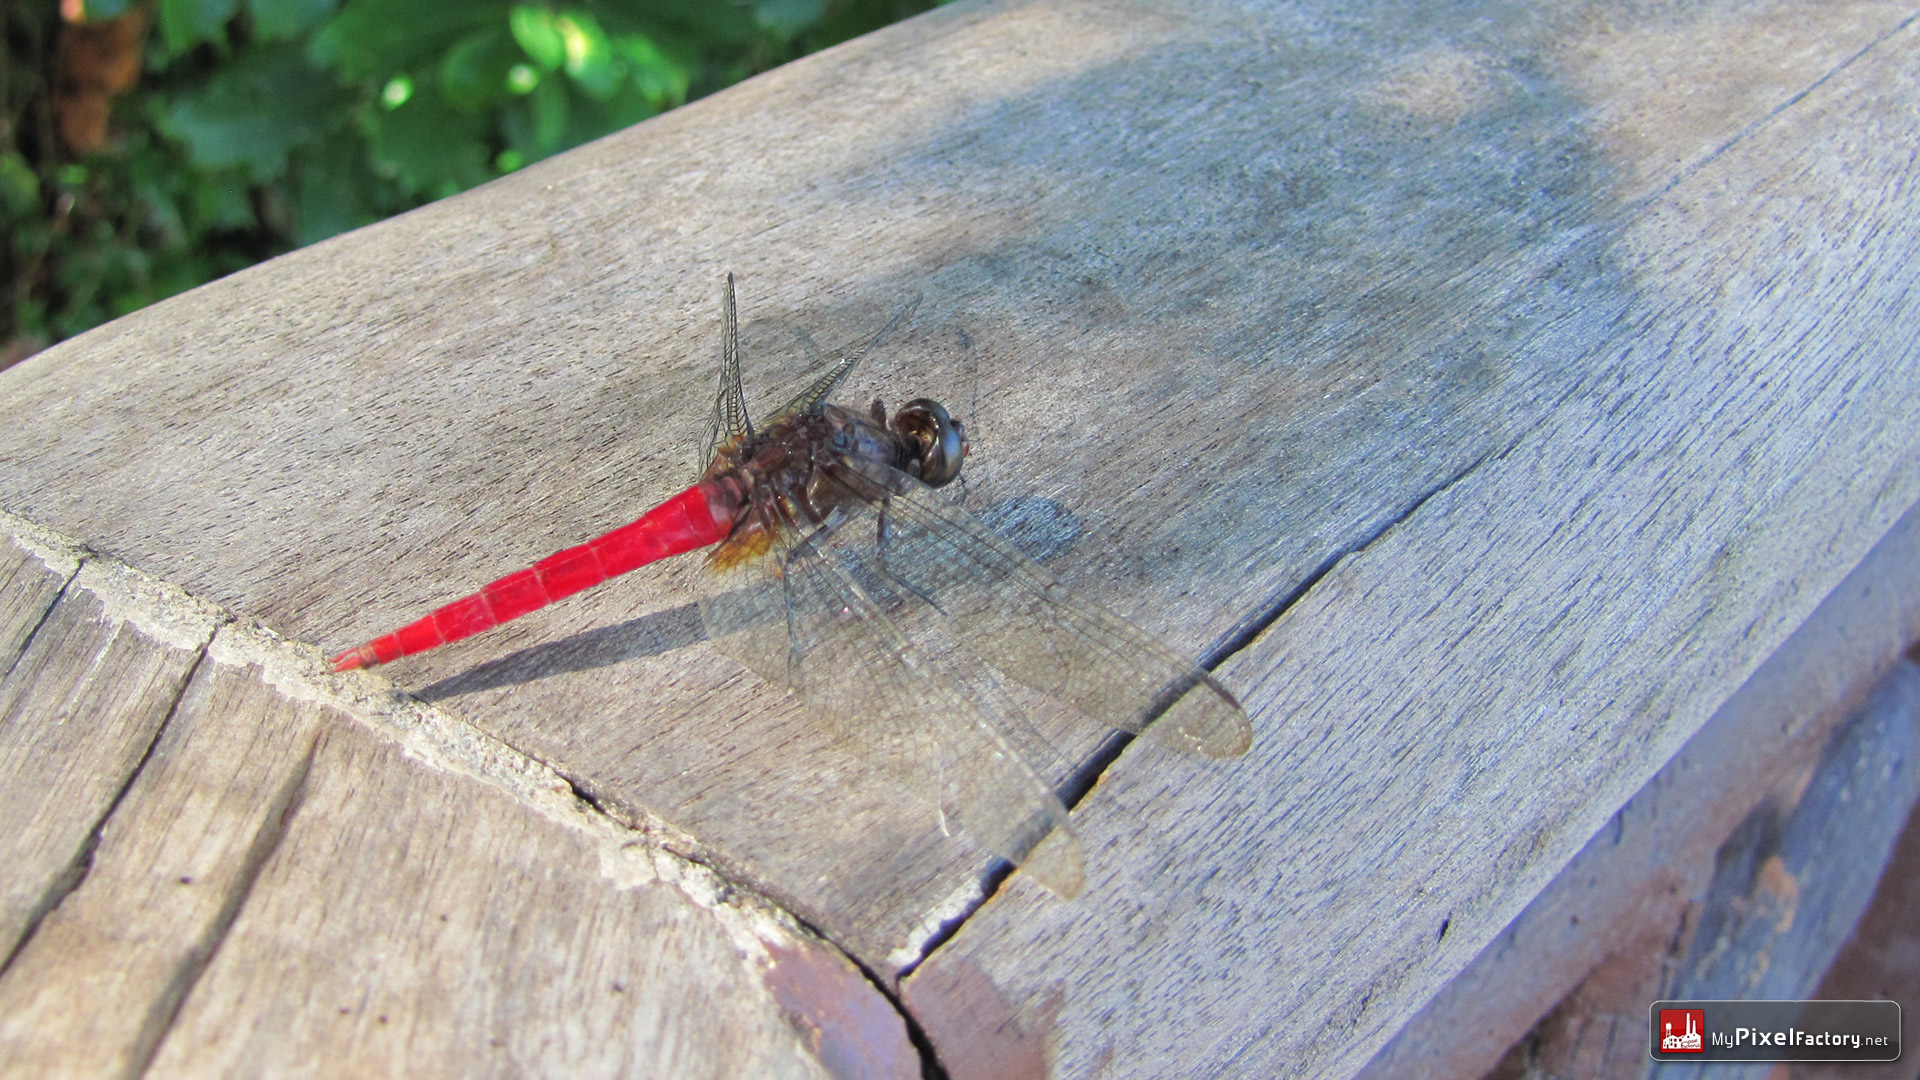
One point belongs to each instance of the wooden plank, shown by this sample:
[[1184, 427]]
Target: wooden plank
[[1279, 254], [1228, 292], [1635, 879], [413, 922], [1772, 907], [1452, 712], [286, 888], [94, 989], [78, 712], [32, 573], [1876, 964], [1785, 896]]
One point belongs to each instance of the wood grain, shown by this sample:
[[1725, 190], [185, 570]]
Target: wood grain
[[95, 988], [33, 571], [409, 923], [1636, 878], [1456, 709], [1559, 353], [295, 884], [78, 711]]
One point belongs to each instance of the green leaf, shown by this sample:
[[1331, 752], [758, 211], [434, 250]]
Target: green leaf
[[476, 72], [591, 119], [250, 114], [430, 147], [661, 78], [101, 10], [551, 107], [19, 187], [277, 20], [334, 193], [788, 17], [538, 32], [372, 39], [186, 23], [396, 92], [590, 60], [536, 125]]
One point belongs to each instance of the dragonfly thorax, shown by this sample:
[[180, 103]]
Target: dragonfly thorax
[[801, 466]]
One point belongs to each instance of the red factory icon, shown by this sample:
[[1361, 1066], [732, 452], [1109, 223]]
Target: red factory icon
[[1681, 1031]]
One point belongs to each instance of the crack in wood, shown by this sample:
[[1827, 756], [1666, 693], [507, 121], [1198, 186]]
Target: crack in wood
[[45, 614], [165, 1009], [1082, 780], [81, 865], [1256, 623], [1681, 175], [930, 1066]]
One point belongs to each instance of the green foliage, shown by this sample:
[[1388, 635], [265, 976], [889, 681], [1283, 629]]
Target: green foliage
[[284, 20], [263, 125], [253, 111]]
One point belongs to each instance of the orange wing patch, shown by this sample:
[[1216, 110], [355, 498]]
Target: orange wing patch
[[748, 542]]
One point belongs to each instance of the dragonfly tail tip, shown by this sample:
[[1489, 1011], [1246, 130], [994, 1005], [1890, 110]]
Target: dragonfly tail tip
[[347, 661]]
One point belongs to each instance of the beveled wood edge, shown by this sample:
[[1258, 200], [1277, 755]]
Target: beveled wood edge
[[1780, 719]]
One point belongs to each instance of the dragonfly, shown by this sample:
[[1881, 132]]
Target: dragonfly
[[841, 572]]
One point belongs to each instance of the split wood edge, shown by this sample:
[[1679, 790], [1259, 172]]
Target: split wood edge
[[630, 856]]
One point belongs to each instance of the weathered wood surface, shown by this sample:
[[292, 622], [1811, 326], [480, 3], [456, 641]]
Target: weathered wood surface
[[1791, 884], [1572, 342], [1631, 887], [291, 881], [83, 696], [1452, 712], [1769, 911], [1877, 963]]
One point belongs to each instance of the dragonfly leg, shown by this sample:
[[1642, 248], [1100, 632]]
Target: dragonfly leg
[[809, 545], [880, 547], [794, 655], [802, 549]]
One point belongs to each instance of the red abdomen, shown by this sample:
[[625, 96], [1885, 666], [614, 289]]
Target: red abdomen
[[683, 523]]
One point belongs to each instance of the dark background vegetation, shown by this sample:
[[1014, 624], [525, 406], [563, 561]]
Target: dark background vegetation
[[148, 146]]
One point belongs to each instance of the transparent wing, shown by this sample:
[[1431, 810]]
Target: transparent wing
[[729, 405], [824, 620], [1016, 616], [816, 394]]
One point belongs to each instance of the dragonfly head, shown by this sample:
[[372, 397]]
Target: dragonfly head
[[942, 439]]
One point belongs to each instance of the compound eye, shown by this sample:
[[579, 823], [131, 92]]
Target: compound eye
[[942, 439]]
